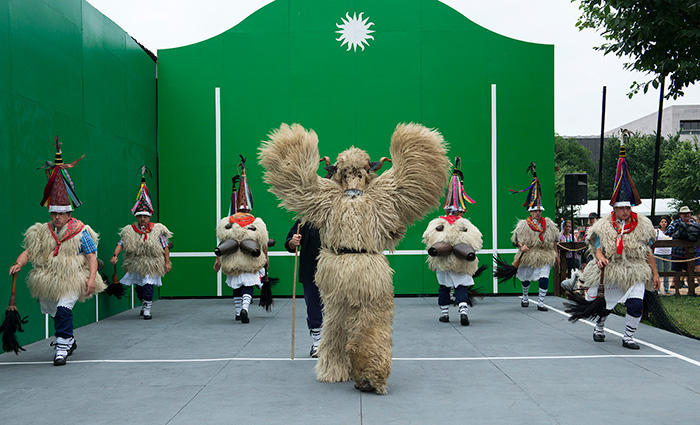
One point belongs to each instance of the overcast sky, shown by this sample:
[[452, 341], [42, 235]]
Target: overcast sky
[[580, 71]]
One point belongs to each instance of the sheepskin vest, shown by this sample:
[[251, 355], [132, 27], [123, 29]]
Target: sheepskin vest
[[144, 255], [240, 262], [66, 273], [626, 269], [541, 252], [460, 231]]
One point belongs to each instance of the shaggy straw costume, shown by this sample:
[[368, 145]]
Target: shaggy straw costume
[[359, 214], [61, 258], [54, 277], [453, 271], [144, 256]]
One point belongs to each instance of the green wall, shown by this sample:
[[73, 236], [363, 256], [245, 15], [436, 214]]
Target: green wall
[[67, 70], [427, 63]]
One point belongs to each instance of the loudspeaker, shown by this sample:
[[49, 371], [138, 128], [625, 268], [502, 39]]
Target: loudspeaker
[[576, 189]]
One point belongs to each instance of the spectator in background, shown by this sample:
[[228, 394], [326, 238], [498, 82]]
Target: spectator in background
[[679, 253], [588, 256], [572, 258], [663, 254], [577, 235]]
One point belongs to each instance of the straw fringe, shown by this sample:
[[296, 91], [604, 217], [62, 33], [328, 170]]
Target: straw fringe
[[52, 278], [239, 262], [453, 234], [541, 253], [144, 257], [625, 270]]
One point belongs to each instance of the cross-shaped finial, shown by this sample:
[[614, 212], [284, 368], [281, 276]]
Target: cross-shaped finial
[[57, 144]]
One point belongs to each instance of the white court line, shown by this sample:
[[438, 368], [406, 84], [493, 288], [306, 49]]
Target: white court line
[[409, 359], [638, 341]]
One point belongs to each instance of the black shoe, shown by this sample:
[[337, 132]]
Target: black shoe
[[73, 347], [599, 337], [141, 313], [59, 360], [542, 307], [147, 317], [314, 352], [464, 319], [238, 317], [444, 319], [244, 316], [630, 344], [364, 386], [524, 303]]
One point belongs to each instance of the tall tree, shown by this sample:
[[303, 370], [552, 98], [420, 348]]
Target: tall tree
[[661, 37], [682, 175]]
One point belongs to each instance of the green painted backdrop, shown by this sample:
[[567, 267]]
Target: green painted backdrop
[[427, 63], [67, 70]]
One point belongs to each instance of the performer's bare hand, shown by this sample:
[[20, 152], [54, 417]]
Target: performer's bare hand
[[114, 260], [90, 287], [657, 281], [168, 267], [601, 260], [524, 248], [557, 259], [295, 241], [217, 264], [15, 268]]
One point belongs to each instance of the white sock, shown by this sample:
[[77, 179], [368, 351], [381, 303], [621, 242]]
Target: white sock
[[463, 307], [600, 326], [542, 294], [525, 294], [445, 309], [237, 304], [245, 301], [631, 324]]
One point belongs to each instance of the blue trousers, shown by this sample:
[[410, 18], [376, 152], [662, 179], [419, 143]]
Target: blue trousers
[[239, 292], [461, 295], [145, 292], [63, 322], [544, 283], [314, 308]]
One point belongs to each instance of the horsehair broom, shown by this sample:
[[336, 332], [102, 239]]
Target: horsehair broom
[[581, 308], [13, 323], [294, 289], [504, 271]]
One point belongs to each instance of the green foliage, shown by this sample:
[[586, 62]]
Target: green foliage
[[659, 36], [571, 157], [640, 151], [681, 172]]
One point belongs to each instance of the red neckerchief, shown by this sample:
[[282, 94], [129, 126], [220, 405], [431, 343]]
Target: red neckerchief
[[143, 232], [450, 218], [536, 228], [73, 228], [629, 225], [242, 219]]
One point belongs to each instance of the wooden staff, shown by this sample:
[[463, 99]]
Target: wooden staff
[[294, 289]]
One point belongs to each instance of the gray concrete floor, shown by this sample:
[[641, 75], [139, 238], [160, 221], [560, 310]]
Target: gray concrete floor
[[193, 364]]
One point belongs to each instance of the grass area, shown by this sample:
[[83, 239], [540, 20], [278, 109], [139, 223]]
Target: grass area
[[684, 310]]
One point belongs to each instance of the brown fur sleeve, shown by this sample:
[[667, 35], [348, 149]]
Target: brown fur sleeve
[[419, 172], [290, 158]]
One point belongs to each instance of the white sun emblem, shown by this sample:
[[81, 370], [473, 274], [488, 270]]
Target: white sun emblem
[[354, 31]]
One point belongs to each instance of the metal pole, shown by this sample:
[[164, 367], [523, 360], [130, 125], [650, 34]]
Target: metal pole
[[600, 159], [658, 148]]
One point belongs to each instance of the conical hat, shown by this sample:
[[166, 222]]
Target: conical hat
[[624, 191], [242, 197], [143, 205], [533, 201], [59, 192], [455, 198]]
